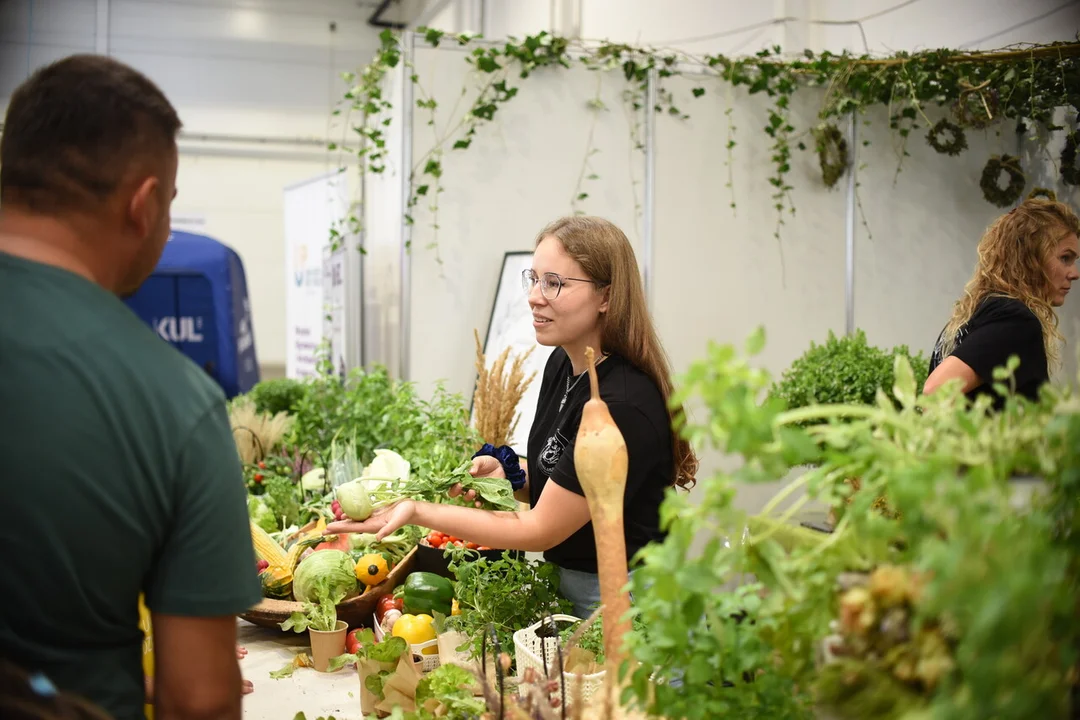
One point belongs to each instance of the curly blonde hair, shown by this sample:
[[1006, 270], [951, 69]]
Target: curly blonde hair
[[1012, 262]]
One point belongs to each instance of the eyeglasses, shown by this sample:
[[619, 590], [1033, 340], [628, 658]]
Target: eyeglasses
[[551, 284]]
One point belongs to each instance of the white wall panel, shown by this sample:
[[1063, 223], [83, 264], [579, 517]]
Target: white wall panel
[[519, 175]]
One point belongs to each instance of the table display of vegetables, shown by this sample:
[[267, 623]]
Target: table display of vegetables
[[960, 604]]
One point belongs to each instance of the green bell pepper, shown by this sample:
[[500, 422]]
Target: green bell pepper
[[427, 593]]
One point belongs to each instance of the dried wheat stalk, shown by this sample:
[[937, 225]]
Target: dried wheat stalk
[[256, 434], [498, 392]]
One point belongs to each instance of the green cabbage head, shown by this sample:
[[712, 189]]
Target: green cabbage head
[[325, 574]]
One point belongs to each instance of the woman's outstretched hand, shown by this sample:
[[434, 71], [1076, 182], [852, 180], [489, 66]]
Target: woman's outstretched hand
[[382, 522], [483, 466]]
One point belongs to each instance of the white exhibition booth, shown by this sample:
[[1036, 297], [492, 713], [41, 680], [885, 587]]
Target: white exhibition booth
[[883, 251]]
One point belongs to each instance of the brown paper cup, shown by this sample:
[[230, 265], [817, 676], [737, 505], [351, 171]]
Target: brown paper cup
[[326, 645]]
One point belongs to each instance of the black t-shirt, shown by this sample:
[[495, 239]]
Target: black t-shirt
[[639, 411], [999, 328]]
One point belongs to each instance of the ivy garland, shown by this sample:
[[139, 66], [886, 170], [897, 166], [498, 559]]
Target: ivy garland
[[955, 146], [1070, 173], [1026, 85], [832, 152], [991, 180]]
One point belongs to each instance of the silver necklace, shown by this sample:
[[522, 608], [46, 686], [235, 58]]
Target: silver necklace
[[570, 386]]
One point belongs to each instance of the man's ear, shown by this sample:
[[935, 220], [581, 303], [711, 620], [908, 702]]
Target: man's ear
[[143, 208]]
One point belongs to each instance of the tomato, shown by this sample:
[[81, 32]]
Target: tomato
[[452, 539], [258, 477], [483, 547], [471, 545], [262, 466], [351, 643], [433, 539]]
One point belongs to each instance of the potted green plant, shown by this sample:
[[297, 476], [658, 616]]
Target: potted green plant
[[320, 582], [325, 631], [845, 370]]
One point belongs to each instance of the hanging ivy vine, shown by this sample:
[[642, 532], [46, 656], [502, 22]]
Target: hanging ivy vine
[[978, 90]]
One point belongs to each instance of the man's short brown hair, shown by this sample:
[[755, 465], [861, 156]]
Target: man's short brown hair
[[76, 128]]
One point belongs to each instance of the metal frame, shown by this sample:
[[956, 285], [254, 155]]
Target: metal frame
[[648, 209], [849, 265], [408, 40]]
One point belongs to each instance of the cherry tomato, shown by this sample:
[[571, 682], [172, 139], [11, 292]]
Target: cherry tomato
[[483, 547], [471, 545], [351, 643], [258, 477], [452, 539], [262, 466], [433, 539]]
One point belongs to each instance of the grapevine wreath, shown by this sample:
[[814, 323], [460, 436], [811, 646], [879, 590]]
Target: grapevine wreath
[[1043, 193], [832, 153], [955, 146], [990, 183]]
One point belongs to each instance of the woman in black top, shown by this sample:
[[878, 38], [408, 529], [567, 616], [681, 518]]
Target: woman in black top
[[585, 290], [1027, 263]]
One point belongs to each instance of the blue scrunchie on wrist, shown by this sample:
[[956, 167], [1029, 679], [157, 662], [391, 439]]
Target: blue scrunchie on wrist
[[509, 460]]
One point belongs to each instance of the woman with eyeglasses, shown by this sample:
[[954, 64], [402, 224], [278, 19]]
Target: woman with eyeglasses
[[1027, 263], [585, 290]]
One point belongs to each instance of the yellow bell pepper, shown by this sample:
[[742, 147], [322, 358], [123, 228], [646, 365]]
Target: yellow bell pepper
[[416, 630], [455, 609]]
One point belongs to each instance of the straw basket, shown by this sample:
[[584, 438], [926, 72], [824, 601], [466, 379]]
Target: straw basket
[[530, 649]]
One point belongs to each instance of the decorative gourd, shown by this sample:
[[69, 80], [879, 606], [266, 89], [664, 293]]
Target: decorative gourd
[[372, 569], [601, 462], [276, 583]]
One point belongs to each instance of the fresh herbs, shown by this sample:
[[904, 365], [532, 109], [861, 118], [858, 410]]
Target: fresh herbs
[[494, 493], [749, 605], [510, 593], [844, 369]]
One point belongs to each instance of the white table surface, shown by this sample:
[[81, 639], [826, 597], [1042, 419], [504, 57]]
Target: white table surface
[[314, 693]]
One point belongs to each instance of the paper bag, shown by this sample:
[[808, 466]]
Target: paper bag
[[449, 641], [399, 689], [369, 670]]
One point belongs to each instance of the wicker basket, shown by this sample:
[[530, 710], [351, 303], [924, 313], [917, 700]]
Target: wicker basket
[[357, 612], [529, 652]]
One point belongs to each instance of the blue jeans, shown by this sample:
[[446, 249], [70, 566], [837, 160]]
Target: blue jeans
[[580, 588]]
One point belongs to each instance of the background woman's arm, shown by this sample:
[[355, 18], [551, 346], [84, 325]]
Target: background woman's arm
[[952, 368]]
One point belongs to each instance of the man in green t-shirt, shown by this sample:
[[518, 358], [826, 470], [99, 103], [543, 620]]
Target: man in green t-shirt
[[118, 471]]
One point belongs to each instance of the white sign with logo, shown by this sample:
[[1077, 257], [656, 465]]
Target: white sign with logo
[[312, 209]]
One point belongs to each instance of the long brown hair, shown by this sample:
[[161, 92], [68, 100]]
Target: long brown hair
[[1012, 262], [607, 257]]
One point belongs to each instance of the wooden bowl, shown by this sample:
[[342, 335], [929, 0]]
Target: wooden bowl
[[357, 612]]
